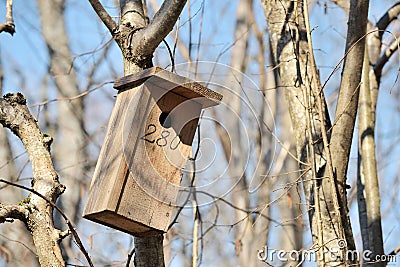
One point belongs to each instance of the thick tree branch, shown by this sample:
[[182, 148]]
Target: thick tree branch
[[15, 115], [23, 216], [137, 39], [46, 188], [375, 39], [161, 24], [8, 26], [104, 16], [388, 17], [346, 109], [367, 176], [19, 212], [393, 47]]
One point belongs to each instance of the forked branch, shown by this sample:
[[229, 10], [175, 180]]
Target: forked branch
[[137, 38], [36, 212], [7, 212], [387, 54]]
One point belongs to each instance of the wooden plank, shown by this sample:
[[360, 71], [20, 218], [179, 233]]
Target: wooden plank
[[111, 160], [170, 81], [119, 222]]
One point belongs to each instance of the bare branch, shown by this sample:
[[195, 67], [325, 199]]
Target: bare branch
[[19, 212], [346, 109], [46, 188], [61, 234], [104, 16], [393, 47], [388, 17], [161, 24], [8, 26], [395, 251]]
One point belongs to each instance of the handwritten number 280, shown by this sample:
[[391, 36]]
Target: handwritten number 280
[[162, 141]]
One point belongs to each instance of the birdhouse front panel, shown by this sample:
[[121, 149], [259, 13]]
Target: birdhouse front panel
[[137, 176]]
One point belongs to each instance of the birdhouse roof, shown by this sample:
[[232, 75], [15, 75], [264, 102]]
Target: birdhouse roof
[[171, 82]]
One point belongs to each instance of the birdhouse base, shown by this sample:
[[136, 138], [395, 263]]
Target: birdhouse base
[[114, 220]]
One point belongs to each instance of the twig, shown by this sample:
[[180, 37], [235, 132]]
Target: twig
[[195, 247], [393, 47], [170, 55], [130, 255], [192, 188], [395, 251], [73, 97]]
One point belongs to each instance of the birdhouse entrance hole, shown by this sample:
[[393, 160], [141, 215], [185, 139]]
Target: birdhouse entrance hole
[[165, 120]]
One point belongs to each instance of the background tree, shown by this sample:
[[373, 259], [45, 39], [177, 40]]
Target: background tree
[[232, 213]]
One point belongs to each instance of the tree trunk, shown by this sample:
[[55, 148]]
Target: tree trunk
[[294, 62], [290, 210], [346, 109], [367, 178], [240, 194]]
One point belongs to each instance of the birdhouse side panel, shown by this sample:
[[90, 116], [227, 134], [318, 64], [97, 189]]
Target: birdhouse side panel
[[111, 168]]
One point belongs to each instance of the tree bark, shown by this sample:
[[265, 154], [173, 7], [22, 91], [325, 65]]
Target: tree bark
[[346, 109], [295, 67], [34, 211], [367, 178], [290, 210]]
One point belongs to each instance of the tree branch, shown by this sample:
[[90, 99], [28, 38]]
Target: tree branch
[[46, 188], [104, 16], [346, 109], [24, 211], [19, 212], [344, 4], [161, 24], [8, 26], [384, 58], [388, 17]]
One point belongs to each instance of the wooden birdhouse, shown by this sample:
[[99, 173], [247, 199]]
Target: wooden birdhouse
[[149, 137]]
